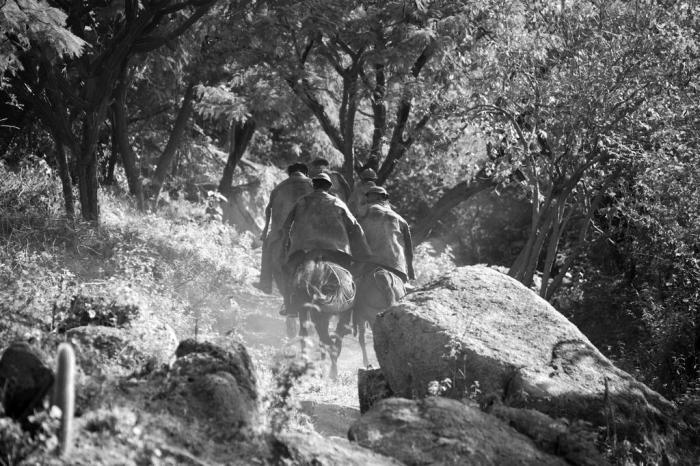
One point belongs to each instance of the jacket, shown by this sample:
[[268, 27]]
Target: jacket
[[282, 200], [389, 238], [358, 199], [321, 221]]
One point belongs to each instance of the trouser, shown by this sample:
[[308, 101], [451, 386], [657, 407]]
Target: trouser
[[266, 266], [271, 265]]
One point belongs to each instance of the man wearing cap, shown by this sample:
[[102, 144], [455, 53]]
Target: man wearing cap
[[340, 187], [358, 200], [387, 234], [282, 200], [320, 222]]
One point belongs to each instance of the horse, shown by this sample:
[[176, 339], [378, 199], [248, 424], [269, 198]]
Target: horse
[[320, 288], [377, 290]]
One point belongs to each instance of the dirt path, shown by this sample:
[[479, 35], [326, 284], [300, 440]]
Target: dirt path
[[332, 406]]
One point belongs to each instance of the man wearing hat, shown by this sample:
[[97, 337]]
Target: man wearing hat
[[387, 234], [358, 200], [340, 187], [321, 222], [282, 200]]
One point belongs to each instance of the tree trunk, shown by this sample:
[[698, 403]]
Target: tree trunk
[[378, 111], [559, 227], [64, 174], [348, 110], [449, 200], [87, 168], [239, 136], [120, 141], [168, 154], [108, 175]]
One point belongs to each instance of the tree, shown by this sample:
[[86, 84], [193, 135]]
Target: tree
[[557, 92], [249, 99], [72, 100], [351, 62]]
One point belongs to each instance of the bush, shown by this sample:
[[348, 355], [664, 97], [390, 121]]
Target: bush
[[33, 190]]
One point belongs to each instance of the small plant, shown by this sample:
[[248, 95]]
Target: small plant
[[287, 374], [474, 391], [439, 388]]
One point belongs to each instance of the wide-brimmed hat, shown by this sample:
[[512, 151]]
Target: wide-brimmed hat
[[377, 190], [368, 174], [322, 177]]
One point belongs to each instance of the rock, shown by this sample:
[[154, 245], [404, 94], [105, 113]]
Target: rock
[[25, 380], [371, 387], [575, 443], [438, 430], [136, 348], [99, 310], [313, 450], [213, 385], [107, 351], [490, 334]]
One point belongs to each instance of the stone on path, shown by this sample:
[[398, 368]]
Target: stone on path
[[211, 385], [438, 430], [313, 450]]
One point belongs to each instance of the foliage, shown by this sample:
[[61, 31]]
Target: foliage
[[30, 191], [18, 446], [27, 23], [431, 264]]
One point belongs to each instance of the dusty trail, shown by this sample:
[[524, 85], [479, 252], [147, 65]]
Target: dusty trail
[[330, 405]]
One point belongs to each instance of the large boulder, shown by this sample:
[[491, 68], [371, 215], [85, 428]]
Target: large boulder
[[210, 384], [438, 430], [490, 334]]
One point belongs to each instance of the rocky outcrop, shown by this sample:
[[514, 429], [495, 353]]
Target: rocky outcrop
[[137, 348], [371, 387], [213, 385], [490, 334], [438, 430], [313, 450]]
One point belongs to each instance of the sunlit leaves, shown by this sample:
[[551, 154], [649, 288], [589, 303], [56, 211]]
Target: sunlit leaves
[[33, 22]]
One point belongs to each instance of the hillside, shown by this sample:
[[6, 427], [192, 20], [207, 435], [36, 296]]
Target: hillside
[[176, 267]]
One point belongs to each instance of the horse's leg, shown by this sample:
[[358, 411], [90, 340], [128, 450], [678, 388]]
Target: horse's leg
[[321, 322], [363, 346], [303, 325]]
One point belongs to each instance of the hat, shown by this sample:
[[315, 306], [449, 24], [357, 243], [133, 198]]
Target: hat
[[320, 162], [297, 167], [377, 190], [322, 177], [368, 174]]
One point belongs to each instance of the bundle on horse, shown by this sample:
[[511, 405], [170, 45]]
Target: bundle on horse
[[378, 288], [320, 288]]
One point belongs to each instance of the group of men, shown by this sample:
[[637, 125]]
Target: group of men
[[315, 210]]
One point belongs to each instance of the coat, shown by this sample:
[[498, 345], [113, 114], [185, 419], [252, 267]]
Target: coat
[[321, 221], [283, 198], [389, 238], [358, 199]]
